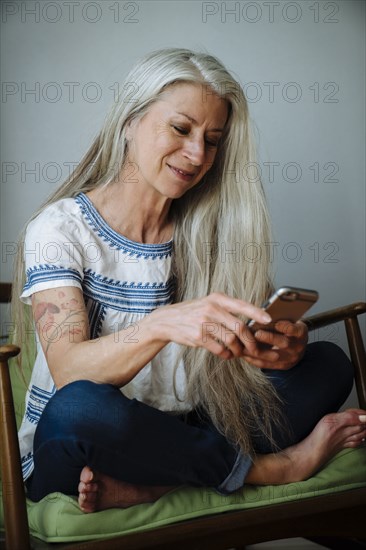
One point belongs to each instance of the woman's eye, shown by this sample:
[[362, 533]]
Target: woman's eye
[[185, 132], [181, 130]]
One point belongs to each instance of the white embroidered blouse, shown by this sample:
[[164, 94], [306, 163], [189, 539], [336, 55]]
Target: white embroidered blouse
[[70, 244]]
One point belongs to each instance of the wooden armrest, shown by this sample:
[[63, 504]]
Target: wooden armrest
[[335, 315], [7, 351], [15, 511]]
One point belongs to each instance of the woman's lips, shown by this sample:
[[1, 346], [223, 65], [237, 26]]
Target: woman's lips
[[181, 174]]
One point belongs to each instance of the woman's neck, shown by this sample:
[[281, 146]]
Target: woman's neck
[[140, 218]]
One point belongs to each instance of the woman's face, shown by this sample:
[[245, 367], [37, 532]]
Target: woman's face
[[175, 143]]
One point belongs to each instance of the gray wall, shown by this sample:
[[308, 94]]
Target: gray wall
[[301, 64]]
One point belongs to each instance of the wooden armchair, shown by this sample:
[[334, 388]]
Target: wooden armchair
[[328, 520]]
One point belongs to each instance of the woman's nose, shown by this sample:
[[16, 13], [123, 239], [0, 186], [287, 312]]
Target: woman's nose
[[195, 151]]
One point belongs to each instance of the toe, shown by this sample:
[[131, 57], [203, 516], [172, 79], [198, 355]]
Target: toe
[[86, 475], [90, 497], [88, 502], [87, 487]]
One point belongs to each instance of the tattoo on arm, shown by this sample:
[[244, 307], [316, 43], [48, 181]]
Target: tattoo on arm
[[55, 321]]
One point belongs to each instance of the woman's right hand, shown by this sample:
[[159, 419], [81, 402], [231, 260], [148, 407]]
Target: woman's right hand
[[211, 323]]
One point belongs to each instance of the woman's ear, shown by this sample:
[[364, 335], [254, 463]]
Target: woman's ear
[[130, 129]]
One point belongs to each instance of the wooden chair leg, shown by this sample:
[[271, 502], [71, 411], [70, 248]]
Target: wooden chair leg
[[15, 510]]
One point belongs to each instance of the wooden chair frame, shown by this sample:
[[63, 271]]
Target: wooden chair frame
[[327, 520]]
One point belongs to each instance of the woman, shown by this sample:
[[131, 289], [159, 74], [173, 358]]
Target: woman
[[147, 377]]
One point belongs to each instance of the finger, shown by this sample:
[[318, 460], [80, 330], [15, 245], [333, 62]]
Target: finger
[[292, 330], [228, 308], [264, 354], [258, 363], [239, 339], [241, 307], [264, 363], [218, 348], [282, 362], [234, 334], [272, 338], [222, 325], [268, 365], [231, 341], [248, 339]]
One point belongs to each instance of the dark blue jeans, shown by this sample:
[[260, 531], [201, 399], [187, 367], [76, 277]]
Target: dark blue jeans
[[92, 424]]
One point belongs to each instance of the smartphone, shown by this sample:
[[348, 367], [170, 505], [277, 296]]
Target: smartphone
[[287, 303]]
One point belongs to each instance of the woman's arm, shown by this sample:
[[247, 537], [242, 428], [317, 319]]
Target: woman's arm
[[62, 325]]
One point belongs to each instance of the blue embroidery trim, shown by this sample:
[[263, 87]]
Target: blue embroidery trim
[[96, 314], [27, 465], [38, 399], [40, 273], [127, 296], [103, 230]]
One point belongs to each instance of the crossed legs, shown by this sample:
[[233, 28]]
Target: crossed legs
[[116, 452]]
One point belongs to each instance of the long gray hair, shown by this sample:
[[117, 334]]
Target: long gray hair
[[225, 212]]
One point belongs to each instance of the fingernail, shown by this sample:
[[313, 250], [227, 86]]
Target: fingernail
[[362, 418], [266, 318]]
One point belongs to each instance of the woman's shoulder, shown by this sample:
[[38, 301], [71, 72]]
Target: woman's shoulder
[[57, 215], [60, 208]]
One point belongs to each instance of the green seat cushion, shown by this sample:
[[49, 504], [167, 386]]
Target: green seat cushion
[[57, 517]]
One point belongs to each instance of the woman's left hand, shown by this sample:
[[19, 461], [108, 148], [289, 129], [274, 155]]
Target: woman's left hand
[[282, 349]]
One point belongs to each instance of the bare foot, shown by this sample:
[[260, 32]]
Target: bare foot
[[99, 492], [333, 433]]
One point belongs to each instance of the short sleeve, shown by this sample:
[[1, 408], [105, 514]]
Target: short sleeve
[[52, 252]]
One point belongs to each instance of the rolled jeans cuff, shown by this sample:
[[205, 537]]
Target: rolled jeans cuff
[[235, 480]]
